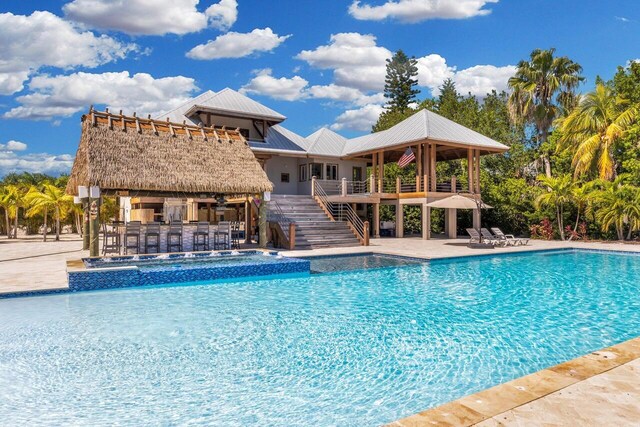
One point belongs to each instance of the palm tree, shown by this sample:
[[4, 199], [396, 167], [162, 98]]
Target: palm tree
[[542, 88], [595, 125], [49, 198], [559, 193], [12, 199], [6, 204], [618, 205]]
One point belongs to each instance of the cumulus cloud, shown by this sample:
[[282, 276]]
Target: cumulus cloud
[[13, 146], [35, 163], [361, 119], [151, 17], [482, 79], [344, 94], [287, 89], [412, 11], [44, 39], [238, 45], [356, 60], [62, 96]]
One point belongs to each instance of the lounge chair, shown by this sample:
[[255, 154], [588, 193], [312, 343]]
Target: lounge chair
[[488, 237], [474, 235], [509, 237]]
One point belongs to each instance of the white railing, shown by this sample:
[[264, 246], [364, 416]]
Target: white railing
[[342, 212], [332, 188], [357, 187], [275, 214]]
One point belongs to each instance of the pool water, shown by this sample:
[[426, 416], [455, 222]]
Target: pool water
[[358, 348], [330, 264]]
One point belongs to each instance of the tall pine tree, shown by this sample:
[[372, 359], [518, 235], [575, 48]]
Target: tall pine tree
[[400, 82]]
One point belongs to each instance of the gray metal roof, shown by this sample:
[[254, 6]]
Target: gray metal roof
[[178, 114], [422, 125], [325, 142], [228, 101], [280, 138]]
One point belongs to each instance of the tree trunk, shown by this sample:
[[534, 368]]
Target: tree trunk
[[57, 223], [8, 222], [620, 231], [44, 230], [15, 225], [560, 225], [630, 232], [544, 135]]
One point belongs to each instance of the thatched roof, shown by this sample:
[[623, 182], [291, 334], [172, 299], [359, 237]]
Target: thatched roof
[[120, 153]]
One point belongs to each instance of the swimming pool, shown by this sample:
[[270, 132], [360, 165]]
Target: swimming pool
[[358, 348]]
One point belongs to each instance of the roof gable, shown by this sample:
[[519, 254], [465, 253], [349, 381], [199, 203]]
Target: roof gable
[[232, 102], [325, 142]]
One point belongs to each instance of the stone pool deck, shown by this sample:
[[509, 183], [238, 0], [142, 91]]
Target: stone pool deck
[[602, 388]]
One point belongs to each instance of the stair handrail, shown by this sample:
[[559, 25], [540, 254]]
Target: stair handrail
[[277, 215], [340, 212]]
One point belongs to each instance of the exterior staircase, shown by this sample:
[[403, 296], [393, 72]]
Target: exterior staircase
[[314, 228]]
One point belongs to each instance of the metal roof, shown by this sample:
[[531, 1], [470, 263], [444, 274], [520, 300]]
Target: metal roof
[[280, 138], [422, 125], [325, 142], [178, 114], [228, 101]]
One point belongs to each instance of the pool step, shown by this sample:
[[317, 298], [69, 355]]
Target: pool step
[[314, 229]]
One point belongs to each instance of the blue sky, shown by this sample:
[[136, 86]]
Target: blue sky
[[320, 63]]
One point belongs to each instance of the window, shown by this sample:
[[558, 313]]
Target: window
[[302, 173], [315, 169], [284, 177], [332, 172], [357, 174]]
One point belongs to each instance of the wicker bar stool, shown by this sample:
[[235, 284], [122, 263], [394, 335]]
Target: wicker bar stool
[[152, 238], [201, 237], [174, 237], [111, 243], [132, 236], [221, 236]]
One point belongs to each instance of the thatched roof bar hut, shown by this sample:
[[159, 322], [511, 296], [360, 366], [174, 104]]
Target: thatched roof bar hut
[[128, 154]]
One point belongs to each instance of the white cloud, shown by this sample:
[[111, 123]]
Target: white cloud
[[223, 15], [433, 70], [412, 11], [13, 146], [151, 17], [288, 89], [344, 94], [44, 39], [62, 96], [482, 79], [361, 119], [238, 45], [35, 163], [355, 59]]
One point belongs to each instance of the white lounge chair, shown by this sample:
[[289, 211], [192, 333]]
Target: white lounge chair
[[488, 237], [474, 235], [509, 237]]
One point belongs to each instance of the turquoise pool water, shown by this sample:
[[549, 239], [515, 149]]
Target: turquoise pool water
[[355, 348]]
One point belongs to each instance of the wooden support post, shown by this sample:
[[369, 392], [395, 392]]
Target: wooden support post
[[262, 223], [398, 185], [454, 183], [419, 168], [366, 233], [376, 220], [372, 183], [477, 189], [426, 222], [344, 187], [247, 219], [374, 168], [399, 220], [432, 166], [470, 169], [313, 186], [292, 236], [425, 168]]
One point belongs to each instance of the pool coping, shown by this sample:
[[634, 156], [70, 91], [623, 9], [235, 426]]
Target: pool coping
[[492, 402]]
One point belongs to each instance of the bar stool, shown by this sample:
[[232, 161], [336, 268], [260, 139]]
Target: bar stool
[[221, 236], [235, 234], [152, 238], [110, 239], [132, 232], [201, 237], [174, 237]]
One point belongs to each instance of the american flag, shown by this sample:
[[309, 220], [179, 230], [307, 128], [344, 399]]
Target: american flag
[[406, 158]]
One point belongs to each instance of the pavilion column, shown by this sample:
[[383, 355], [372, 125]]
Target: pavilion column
[[470, 169], [399, 220], [262, 223], [432, 166], [376, 220], [381, 172], [247, 221], [419, 168], [451, 223], [425, 167], [426, 222], [477, 189]]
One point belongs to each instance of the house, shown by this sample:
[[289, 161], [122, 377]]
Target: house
[[344, 176]]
